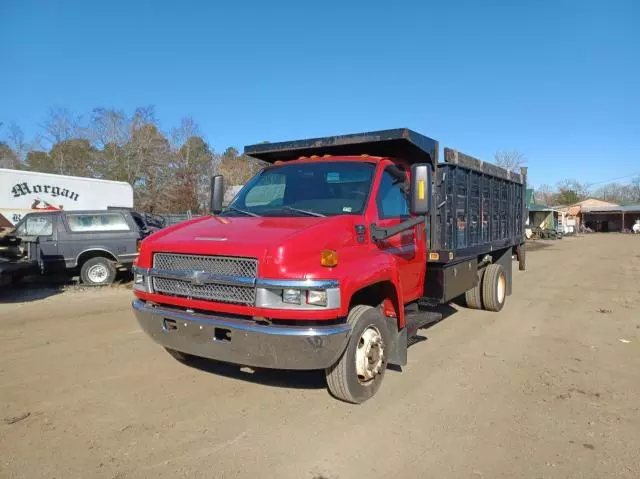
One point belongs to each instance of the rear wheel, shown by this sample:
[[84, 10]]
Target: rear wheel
[[98, 271], [473, 297], [359, 372], [494, 288], [521, 254]]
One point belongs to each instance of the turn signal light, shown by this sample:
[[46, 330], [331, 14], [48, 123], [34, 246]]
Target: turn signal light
[[434, 256], [421, 190], [329, 258]]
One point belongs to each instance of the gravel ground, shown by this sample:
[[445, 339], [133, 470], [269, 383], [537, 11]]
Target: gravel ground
[[547, 388]]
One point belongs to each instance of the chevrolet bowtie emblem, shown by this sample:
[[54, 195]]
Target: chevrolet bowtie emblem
[[198, 278]]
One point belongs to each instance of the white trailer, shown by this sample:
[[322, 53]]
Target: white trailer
[[23, 192]]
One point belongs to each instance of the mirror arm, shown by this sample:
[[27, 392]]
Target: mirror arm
[[381, 234]]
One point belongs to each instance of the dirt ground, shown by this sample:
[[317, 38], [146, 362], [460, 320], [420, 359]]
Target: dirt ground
[[549, 387]]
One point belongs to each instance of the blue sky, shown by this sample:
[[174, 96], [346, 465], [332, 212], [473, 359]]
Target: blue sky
[[559, 81]]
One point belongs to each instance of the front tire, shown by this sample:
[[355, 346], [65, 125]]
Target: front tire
[[359, 372], [98, 271]]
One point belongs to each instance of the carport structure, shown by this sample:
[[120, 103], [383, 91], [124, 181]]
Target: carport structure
[[610, 218]]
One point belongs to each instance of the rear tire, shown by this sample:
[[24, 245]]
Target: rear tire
[[359, 372], [98, 271], [521, 254], [473, 297], [494, 288]]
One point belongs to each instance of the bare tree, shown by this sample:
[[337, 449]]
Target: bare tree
[[144, 115], [109, 127], [510, 160], [188, 128], [8, 157], [620, 193], [15, 138], [635, 189], [148, 166], [544, 195], [59, 125], [571, 191]]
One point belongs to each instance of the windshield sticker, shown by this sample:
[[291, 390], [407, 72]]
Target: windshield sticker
[[333, 177], [347, 209]]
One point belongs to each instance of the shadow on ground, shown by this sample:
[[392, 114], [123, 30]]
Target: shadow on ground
[[537, 245], [291, 379], [35, 288], [279, 378]]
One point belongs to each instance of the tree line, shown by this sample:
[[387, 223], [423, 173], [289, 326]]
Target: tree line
[[169, 171], [571, 191]]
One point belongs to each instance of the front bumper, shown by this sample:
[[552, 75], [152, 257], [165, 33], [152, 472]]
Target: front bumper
[[243, 342]]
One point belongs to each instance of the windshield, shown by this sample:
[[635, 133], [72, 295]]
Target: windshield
[[322, 188]]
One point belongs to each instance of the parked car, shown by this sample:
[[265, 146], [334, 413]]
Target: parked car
[[94, 243]]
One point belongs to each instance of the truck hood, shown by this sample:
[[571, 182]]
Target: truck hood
[[271, 240]]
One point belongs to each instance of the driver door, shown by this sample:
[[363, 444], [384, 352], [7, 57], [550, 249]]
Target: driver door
[[41, 229], [407, 247]]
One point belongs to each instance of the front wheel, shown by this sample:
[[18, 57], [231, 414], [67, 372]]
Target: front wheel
[[359, 372], [98, 271]]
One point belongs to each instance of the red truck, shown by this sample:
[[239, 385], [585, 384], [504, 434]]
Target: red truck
[[333, 257]]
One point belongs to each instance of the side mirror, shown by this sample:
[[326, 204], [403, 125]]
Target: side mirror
[[421, 189], [217, 194]]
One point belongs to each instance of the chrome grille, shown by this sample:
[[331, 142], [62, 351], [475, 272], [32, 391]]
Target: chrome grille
[[213, 292], [227, 266], [222, 265]]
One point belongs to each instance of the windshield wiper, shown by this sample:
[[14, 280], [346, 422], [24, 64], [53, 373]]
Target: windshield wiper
[[248, 213], [306, 212]]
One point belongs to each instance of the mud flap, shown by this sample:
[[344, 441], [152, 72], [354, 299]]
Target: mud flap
[[398, 349]]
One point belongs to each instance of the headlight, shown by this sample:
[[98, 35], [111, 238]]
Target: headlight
[[318, 298], [141, 280], [309, 295], [291, 296]]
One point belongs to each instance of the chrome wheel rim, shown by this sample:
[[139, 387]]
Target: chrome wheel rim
[[502, 288], [98, 273], [370, 359]]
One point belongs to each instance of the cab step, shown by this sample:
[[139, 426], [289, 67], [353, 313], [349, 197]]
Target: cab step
[[416, 317], [414, 320]]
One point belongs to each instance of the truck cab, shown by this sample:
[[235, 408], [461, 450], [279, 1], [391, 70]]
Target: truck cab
[[321, 261]]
